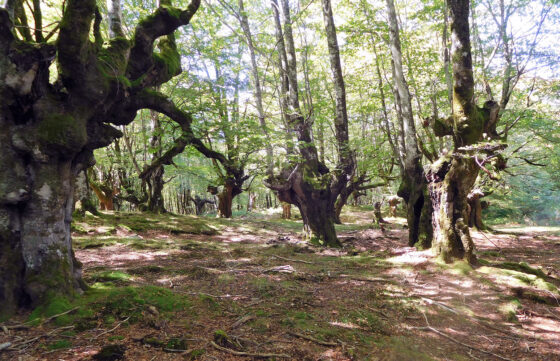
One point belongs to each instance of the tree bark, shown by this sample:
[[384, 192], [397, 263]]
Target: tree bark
[[413, 187]]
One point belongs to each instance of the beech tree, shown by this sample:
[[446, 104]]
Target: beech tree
[[309, 184], [413, 188], [453, 175], [50, 129]]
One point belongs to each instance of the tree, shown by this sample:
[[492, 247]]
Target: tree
[[51, 129], [453, 175], [309, 184], [413, 188]]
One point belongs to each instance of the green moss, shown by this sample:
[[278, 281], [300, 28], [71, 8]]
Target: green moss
[[112, 276], [55, 306], [110, 303], [59, 344], [196, 354], [63, 132], [521, 267], [510, 308], [177, 344]]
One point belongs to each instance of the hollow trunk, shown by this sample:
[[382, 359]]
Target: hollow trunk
[[450, 182], [36, 256]]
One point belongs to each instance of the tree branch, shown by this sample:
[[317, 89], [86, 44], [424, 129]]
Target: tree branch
[[165, 20], [73, 42]]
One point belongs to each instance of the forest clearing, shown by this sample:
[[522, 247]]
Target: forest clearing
[[166, 287], [280, 180]]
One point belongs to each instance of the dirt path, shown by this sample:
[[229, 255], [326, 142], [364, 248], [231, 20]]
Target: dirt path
[[254, 287]]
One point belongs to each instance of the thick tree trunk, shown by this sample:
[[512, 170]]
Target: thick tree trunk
[[474, 209], [308, 184], [155, 193], [36, 257], [83, 196], [225, 201], [450, 182], [452, 177]]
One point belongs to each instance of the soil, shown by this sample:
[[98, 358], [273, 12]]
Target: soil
[[266, 291]]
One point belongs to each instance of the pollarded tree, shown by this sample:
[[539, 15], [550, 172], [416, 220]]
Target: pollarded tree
[[309, 184], [453, 175], [49, 130]]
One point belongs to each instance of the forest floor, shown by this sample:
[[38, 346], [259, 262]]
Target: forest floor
[[184, 288]]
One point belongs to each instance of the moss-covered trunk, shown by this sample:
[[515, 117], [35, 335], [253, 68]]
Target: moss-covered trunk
[[155, 194], [36, 258], [450, 182], [318, 216], [475, 211], [418, 211]]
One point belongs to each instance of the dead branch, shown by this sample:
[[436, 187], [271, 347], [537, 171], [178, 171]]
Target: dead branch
[[242, 321], [240, 353], [111, 330], [23, 326], [291, 259], [312, 339]]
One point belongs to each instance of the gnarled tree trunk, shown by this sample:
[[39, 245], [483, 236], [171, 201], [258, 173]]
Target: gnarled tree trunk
[[309, 185], [452, 177], [49, 132]]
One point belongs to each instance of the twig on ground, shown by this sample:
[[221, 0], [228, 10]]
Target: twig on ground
[[364, 279], [211, 295], [292, 260], [312, 339], [111, 330], [58, 315], [36, 338], [25, 325], [240, 353], [494, 244], [377, 311], [242, 320]]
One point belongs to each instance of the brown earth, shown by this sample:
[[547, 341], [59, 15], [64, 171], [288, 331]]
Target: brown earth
[[271, 293]]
